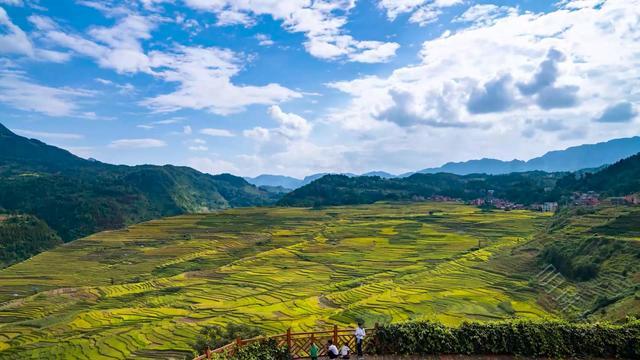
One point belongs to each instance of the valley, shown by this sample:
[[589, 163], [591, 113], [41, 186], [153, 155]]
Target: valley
[[145, 291]]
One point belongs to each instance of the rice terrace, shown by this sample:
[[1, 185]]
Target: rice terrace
[[147, 289]]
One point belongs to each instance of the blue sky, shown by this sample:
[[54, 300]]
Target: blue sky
[[302, 86]]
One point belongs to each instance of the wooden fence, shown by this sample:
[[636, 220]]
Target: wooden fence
[[299, 343]]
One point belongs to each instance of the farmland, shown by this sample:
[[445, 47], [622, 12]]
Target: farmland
[[145, 291]]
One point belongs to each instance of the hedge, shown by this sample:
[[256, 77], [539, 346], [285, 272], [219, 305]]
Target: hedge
[[516, 337]]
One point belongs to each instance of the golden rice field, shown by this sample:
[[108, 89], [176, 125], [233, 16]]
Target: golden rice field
[[145, 291]]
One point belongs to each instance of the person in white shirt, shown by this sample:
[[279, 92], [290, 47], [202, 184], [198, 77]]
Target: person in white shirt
[[332, 350], [360, 334], [344, 351]]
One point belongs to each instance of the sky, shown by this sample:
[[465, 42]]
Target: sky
[[297, 87]]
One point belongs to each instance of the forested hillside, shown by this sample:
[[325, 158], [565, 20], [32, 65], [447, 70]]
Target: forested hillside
[[22, 237], [78, 197], [525, 188], [596, 251], [621, 178]]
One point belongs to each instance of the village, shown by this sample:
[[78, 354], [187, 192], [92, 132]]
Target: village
[[589, 198]]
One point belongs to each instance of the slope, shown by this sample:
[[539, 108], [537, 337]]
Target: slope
[[77, 197], [146, 291]]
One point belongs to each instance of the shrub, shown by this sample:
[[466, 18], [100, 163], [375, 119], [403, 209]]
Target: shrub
[[517, 337], [217, 336]]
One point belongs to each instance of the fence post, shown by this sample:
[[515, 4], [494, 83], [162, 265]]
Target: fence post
[[335, 334], [375, 336], [289, 339]]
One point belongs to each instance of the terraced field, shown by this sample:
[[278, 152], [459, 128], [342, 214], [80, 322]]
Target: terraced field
[[144, 292]]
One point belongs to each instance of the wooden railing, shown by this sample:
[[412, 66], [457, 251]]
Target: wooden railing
[[298, 343]]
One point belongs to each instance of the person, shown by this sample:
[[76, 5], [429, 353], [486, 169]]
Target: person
[[344, 351], [332, 350], [360, 334], [208, 352], [313, 351]]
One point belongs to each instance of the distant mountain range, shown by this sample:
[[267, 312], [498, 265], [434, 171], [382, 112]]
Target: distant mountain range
[[575, 158], [618, 179], [571, 159]]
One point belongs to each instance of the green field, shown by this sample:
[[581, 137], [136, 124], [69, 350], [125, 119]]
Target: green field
[[144, 292]]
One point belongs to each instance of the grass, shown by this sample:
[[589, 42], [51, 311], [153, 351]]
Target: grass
[[144, 292]]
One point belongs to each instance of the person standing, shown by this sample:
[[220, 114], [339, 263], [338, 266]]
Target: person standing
[[313, 351], [360, 334]]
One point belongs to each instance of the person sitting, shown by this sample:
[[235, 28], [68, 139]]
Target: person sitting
[[332, 350], [344, 351]]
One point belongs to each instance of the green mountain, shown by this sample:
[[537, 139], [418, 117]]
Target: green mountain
[[23, 236], [621, 178], [78, 197], [525, 188], [595, 253]]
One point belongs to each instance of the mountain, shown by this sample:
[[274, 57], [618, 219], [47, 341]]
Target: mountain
[[286, 182], [382, 174], [23, 236], [78, 197], [291, 183], [525, 188], [570, 159], [621, 178]]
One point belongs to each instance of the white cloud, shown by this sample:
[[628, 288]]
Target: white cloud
[[321, 21], [485, 14], [423, 11], [117, 47], [198, 148], [257, 133], [49, 135], [12, 2], [187, 130], [15, 41], [291, 125], [137, 143], [473, 86], [216, 132], [264, 40], [203, 72], [22, 93]]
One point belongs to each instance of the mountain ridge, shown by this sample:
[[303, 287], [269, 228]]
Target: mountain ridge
[[574, 158], [77, 197]]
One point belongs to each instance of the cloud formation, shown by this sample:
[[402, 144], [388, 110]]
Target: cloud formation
[[322, 23], [618, 113]]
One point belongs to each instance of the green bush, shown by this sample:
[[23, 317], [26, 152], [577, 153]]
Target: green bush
[[518, 337], [262, 350], [218, 336]]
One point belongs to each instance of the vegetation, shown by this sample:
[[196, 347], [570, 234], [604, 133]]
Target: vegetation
[[214, 336], [555, 339], [77, 197], [22, 237], [621, 178], [147, 291], [263, 350], [524, 188], [597, 252]]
